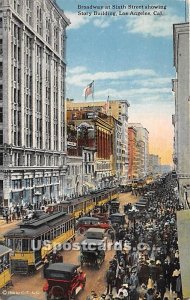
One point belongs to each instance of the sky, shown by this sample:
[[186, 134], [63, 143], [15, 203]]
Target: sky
[[129, 57]]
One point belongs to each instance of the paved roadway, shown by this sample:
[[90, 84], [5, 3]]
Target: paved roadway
[[95, 278]]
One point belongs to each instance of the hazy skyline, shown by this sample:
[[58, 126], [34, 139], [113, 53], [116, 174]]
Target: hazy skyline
[[129, 57]]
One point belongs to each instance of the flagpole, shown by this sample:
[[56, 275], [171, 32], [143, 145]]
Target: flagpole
[[93, 91]]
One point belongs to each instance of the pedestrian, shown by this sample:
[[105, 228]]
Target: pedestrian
[[46, 265], [112, 236], [179, 287], [161, 286], [110, 279], [7, 216], [59, 258]]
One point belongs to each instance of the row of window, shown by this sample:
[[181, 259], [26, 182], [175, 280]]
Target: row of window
[[50, 34], [30, 182], [29, 245]]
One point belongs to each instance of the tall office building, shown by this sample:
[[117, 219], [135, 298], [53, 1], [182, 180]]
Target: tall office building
[[181, 119], [32, 106], [142, 150]]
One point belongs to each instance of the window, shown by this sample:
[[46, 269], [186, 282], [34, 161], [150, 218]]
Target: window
[[1, 114], [1, 137], [1, 46], [1, 159]]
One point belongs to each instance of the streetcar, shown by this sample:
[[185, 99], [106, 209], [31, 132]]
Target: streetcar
[[5, 273], [32, 241], [83, 205]]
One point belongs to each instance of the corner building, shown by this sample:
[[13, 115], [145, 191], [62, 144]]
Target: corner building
[[32, 107]]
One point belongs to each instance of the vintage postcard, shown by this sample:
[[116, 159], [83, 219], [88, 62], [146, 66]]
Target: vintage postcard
[[94, 149]]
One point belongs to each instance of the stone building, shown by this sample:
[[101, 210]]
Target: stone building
[[142, 150], [132, 152], [32, 105], [181, 119]]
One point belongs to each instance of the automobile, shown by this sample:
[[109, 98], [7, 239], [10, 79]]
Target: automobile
[[95, 233], [64, 281], [117, 218], [114, 206], [84, 223], [92, 253]]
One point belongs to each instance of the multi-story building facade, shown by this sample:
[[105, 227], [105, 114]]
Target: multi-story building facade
[[154, 164], [117, 148], [142, 150], [181, 119], [94, 143], [32, 106], [132, 152], [74, 177], [118, 109]]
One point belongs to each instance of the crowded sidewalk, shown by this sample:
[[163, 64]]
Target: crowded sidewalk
[[147, 266]]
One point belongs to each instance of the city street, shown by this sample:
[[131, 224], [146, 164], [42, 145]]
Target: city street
[[33, 285]]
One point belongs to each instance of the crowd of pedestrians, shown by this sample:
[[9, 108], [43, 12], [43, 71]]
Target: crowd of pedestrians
[[147, 266]]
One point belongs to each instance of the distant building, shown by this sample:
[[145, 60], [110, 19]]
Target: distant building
[[118, 109], [132, 152], [164, 169], [142, 150], [181, 119], [154, 164], [32, 101]]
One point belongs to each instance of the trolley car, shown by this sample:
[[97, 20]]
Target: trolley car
[[82, 205], [5, 273], [35, 239]]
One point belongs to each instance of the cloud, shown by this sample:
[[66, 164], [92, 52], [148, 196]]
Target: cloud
[[164, 81], [101, 22], [154, 26], [142, 95], [76, 20], [77, 70], [81, 79]]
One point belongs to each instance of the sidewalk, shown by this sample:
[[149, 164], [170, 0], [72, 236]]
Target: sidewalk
[[3, 222], [4, 226]]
